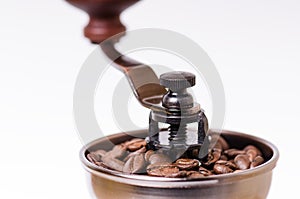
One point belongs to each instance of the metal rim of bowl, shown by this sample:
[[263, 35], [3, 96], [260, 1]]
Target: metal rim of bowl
[[159, 182]]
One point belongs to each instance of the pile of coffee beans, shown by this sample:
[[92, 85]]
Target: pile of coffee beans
[[132, 157]]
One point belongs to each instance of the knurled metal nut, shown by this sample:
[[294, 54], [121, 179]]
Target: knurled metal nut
[[177, 80]]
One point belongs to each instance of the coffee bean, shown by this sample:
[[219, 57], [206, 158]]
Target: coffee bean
[[223, 157], [194, 174], [205, 171], [257, 161], [179, 174], [101, 164], [132, 141], [148, 154], [134, 164], [100, 152], [233, 152], [118, 151], [135, 144], [113, 163], [158, 164], [140, 151], [165, 171], [96, 156], [213, 157], [159, 158], [187, 164], [93, 157], [222, 169], [227, 163], [252, 152], [242, 161], [253, 148]]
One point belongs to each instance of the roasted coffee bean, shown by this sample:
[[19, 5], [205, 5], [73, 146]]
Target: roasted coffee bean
[[205, 171], [232, 161], [227, 163], [140, 151], [101, 164], [159, 158], [187, 164], [216, 150], [118, 151], [222, 169], [242, 161], [233, 152], [253, 148], [132, 141], [169, 171], [93, 157], [158, 164], [223, 162], [100, 152], [113, 163], [134, 164], [148, 154], [223, 157], [252, 152], [194, 174], [258, 160], [180, 174], [135, 144], [96, 156], [213, 157]]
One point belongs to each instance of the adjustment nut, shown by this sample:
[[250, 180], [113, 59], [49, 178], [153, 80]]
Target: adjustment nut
[[177, 80]]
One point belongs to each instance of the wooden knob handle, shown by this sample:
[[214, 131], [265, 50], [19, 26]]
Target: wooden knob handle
[[104, 17]]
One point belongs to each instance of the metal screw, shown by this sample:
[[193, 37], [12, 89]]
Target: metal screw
[[179, 110]]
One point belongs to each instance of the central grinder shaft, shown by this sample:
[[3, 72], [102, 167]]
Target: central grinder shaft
[[179, 110]]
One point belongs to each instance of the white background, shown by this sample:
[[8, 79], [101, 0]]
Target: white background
[[254, 44]]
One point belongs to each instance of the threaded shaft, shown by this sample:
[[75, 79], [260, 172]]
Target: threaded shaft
[[177, 134]]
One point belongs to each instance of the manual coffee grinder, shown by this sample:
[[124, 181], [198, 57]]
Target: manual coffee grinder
[[171, 104]]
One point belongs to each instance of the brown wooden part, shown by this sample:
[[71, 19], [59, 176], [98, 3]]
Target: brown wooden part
[[104, 17]]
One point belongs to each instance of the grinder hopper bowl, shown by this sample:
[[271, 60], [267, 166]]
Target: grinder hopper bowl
[[170, 104]]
